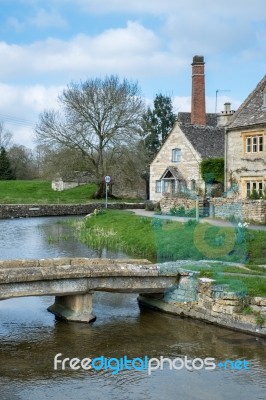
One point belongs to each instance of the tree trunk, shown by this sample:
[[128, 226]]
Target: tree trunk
[[100, 193]]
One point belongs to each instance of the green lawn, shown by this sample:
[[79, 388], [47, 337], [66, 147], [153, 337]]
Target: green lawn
[[161, 240], [40, 192]]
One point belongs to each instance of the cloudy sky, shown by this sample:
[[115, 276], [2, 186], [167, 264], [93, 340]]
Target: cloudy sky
[[44, 45]]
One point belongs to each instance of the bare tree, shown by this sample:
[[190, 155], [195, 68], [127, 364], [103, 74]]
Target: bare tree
[[5, 136], [98, 117]]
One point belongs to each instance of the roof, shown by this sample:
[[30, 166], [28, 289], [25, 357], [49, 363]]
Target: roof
[[74, 176], [207, 140], [185, 118], [251, 112], [174, 171]]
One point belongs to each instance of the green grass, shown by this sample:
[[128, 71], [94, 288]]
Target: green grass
[[163, 240], [168, 240], [118, 230], [40, 192]]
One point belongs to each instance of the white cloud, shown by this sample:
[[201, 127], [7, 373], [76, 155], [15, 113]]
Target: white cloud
[[183, 103], [20, 107], [47, 19], [193, 26], [170, 7], [133, 50]]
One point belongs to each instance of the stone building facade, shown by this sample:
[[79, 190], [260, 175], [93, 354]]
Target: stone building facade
[[245, 146], [194, 137]]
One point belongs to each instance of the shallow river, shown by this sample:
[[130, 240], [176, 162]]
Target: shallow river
[[30, 337]]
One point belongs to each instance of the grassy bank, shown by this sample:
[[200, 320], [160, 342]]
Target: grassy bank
[[40, 192], [162, 240]]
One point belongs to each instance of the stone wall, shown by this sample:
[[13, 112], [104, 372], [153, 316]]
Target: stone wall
[[40, 210], [242, 165], [204, 300], [247, 210], [168, 202]]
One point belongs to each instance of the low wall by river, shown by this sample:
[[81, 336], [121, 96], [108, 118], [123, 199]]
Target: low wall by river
[[49, 210], [202, 299]]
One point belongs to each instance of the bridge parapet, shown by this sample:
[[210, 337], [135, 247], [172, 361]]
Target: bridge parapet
[[73, 280]]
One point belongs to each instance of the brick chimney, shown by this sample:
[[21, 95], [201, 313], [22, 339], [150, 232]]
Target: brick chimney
[[198, 110]]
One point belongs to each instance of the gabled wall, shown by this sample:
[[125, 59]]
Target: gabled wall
[[189, 164]]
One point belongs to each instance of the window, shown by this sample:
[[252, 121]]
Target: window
[[248, 145], [260, 188], [166, 187], [254, 143], [158, 186], [193, 184], [176, 155], [260, 143], [254, 185], [248, 189]]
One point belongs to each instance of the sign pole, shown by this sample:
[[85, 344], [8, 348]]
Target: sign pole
[[106, 196], [107, 180]]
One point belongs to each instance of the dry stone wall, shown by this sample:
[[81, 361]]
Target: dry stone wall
[[247, 210], [39, 210], [204, 300]]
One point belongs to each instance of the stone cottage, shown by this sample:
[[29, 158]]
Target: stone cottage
[[195, 136], [245, 146]]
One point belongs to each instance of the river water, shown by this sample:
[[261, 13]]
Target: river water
[[30, 337]]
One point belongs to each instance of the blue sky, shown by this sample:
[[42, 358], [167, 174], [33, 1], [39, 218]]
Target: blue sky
[[44, 45]]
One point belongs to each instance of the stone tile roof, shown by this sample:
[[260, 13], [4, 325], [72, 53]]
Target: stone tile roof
[[185, 118], [174, 171], [251, 112], [208, 141]]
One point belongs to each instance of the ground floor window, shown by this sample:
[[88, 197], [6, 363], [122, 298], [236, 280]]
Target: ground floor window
[[172, 186], [254, 188], [158, 186]]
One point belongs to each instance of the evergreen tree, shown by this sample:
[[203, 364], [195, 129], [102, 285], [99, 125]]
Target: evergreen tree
[[6, 172], [164, 116], [151, 141], [157, 124]]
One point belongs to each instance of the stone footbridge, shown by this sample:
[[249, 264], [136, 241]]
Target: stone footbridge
[[73, 280]]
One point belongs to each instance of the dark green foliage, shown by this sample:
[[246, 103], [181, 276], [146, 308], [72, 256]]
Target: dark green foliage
[[182, 212], [157, 123], [6, 172], [212, 170], [152, 142], [164, 116], [254, 195]]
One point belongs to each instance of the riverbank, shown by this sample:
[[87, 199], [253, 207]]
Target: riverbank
[[230, 259]]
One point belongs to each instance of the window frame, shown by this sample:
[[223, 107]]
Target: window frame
[[249, 184], [254, 142], [158, 186], [176, 155]]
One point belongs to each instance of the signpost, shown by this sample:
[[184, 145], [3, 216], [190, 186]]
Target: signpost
[[107, 179]]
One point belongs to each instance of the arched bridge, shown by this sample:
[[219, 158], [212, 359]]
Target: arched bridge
[[73, 281]]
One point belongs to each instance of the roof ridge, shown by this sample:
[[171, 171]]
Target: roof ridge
[[247, 101]]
